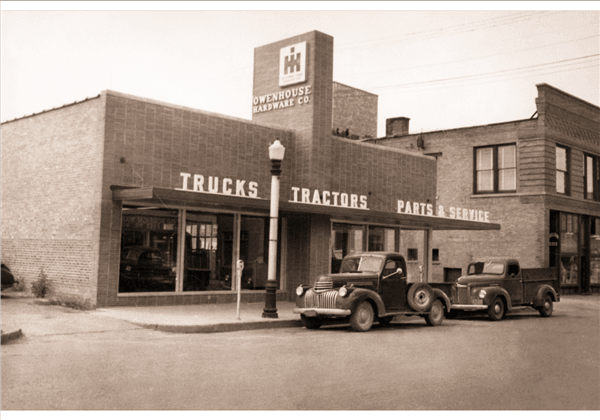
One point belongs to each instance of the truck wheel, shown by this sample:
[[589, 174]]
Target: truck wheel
[[385, 320], [496, 309], [436, 314], [420, 297], [546, 308], [311, 322], [362, 318]]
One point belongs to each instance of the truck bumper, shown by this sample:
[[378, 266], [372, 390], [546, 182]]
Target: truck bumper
[[322, 311], [469, 307]]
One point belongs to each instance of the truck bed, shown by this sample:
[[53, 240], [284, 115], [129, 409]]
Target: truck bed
[[444, 287], [533, 278]]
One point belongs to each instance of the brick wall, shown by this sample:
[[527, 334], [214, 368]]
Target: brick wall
[[354, 109], [51, 183], [159, 141]]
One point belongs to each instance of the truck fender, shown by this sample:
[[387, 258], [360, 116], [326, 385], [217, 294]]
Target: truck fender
[[439, 294], [540, 295], [360, 295], [493, 292]]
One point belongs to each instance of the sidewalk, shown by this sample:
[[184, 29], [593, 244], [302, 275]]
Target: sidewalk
[[24, 315]]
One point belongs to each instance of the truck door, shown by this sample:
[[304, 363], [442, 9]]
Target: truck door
[[514, 283], [392, 285]]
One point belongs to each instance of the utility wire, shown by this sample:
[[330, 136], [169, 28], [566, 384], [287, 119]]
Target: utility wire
[[477, 58], [441, 32], [504, 78], [461, 79], [484, 74]]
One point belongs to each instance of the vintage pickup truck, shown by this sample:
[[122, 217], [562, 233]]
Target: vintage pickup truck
[[499, 284], [370, 287]]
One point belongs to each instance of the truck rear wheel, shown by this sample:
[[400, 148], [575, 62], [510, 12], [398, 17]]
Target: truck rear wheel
[[362, 318], [420, 297], [496, 309], [436, 314], [311, 322], [546, 308]]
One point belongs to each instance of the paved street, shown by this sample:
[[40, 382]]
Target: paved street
[[524, 362]]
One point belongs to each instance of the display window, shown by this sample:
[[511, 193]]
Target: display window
[[595, 251], [148, 251], [569, 230], [349, 238], [155, 259]]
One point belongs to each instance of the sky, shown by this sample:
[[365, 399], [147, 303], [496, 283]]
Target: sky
[[444, 65]]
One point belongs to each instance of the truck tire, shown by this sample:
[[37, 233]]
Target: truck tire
[[420, 297], [496, 309], [436, 314], [311, 322], [546, 308], [362, 318]]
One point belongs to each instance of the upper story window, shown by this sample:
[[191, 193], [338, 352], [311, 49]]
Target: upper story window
[[496, 169], [562, 170], [592, 178]]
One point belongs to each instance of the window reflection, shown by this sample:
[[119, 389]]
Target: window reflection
[[148, 251], [150, 245]]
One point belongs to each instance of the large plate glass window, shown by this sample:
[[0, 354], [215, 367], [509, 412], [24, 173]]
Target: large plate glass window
[[148, 250], [345, 239], [382, 239], [254, 251], [569, 235], [594, 250], [154, 259]]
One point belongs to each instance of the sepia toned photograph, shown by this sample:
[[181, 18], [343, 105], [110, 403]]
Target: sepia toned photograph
[[300, 208]]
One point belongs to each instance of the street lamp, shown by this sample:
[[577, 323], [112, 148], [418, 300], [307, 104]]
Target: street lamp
[[276, 154]]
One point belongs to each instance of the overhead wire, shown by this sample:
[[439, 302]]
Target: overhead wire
[[441, 32]]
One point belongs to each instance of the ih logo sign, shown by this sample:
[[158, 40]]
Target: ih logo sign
[[292, 64]]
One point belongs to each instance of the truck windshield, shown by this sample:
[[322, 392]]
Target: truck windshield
[[486, 268], [361, 264]]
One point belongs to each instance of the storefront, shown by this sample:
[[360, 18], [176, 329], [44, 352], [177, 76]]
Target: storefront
[[575, 251], [155, 203]]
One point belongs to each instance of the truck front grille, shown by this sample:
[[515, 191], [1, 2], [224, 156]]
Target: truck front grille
[[463, 295], [324, 300], [322, 286]]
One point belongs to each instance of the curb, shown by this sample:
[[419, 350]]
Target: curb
[[13, 335], [216, 328]]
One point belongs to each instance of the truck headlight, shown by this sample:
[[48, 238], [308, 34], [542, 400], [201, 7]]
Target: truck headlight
[[343, 291], [482, 294], [299, 290]]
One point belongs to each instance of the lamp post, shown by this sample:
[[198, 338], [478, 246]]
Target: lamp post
[[276, 154]]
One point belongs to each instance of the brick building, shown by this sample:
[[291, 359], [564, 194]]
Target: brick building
[[538, 178], [131, 201]]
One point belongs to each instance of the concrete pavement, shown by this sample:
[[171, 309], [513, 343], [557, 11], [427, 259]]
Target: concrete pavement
[[26, 316]]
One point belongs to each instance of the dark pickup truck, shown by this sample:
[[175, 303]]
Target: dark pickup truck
[[497, 285], [370, 287]]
